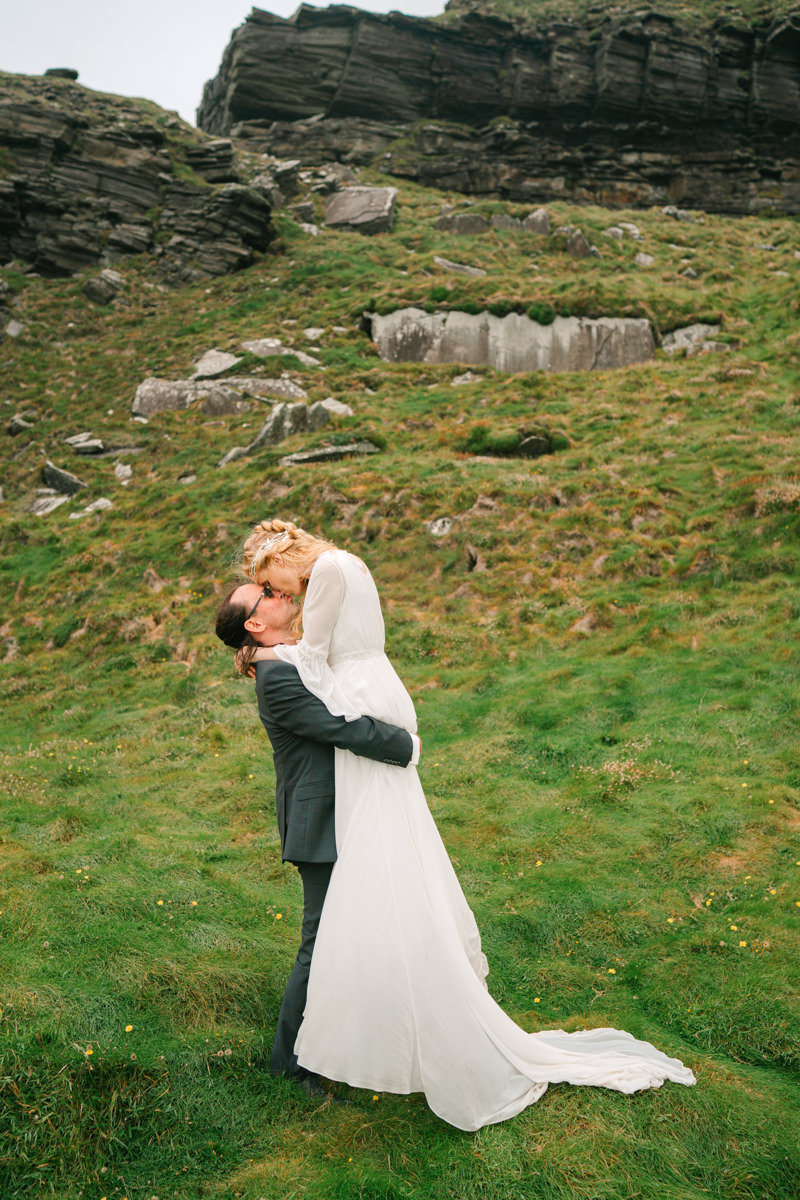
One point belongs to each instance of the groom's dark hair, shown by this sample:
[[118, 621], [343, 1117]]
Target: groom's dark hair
[[230, 628]]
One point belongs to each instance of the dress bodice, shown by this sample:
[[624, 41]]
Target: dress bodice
[[341, 656]]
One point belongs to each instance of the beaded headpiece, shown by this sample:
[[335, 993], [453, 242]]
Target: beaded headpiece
[[263, 548]]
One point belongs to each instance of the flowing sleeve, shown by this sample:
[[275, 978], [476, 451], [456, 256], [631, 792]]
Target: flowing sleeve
[[310, 656]]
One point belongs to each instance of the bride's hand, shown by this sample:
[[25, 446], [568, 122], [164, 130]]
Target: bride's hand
[[262, 654]]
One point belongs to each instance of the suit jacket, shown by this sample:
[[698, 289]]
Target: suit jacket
[[303, 735]]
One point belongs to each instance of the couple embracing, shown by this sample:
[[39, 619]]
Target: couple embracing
[[393, 997]]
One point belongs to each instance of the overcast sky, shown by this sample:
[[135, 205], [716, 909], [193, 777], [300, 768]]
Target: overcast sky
[[163, 50]]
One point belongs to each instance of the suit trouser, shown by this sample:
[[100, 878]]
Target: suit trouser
[[315, 877]]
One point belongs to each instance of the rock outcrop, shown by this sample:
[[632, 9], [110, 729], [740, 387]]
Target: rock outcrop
[[626, 109], [512, 343], [168, 395], [361, 209], [87, 178]]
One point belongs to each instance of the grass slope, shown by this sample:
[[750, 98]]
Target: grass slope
[[699, 14], [603, 654]]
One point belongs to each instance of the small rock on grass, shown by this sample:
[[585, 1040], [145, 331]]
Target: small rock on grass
[[63, 482]]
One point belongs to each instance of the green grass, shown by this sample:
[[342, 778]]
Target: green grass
[[587, 12], [602, 652]]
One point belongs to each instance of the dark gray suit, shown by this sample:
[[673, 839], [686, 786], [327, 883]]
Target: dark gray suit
[[303, 735]]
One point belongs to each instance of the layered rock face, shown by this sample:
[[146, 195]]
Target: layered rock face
[[87, 178], [632, 110]]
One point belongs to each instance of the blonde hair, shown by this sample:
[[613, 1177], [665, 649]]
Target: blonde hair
[[297, 548]]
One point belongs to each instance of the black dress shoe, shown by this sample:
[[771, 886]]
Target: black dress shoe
[[312, 1086]]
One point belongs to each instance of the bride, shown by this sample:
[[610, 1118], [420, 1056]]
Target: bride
[[397, 997]]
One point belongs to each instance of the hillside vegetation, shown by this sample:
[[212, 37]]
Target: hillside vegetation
[[590, 13], [602, 650]]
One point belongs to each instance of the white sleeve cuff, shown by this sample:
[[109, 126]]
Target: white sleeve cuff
[[417, 748]]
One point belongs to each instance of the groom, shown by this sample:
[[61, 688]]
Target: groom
[[303, 735]]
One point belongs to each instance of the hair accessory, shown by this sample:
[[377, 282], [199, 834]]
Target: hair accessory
[[263, 548]]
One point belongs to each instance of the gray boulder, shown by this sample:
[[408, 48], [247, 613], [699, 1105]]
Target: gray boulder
[[678, 214], [266, 347], [63, 482], [577, 245], [503, 221], [236, 452], [85, 443], [330, 453], [274, 389], [303, 212], [691, 340], [537, 222], [532, 445], [164, 395], [45, 502], [463, 223], [224, 402], [336, 407], [284, 421], [214, 362], [104, 288], [100, 505], [361, 209], [458, 268], [20, 423], [319, 414], [440, 527]]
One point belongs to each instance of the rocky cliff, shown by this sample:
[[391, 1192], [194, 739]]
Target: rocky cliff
[[630, 109], [86, 178]]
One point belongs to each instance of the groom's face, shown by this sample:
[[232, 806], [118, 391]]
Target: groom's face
[[275, 613]]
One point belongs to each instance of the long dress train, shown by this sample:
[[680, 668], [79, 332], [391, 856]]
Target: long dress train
[[397, 999]]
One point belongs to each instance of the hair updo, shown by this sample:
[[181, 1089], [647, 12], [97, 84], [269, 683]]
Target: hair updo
[[297, 548]]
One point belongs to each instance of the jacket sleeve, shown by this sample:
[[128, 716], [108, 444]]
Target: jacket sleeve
[[293, 708]]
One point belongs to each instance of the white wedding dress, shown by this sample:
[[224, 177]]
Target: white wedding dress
[[397, 999]]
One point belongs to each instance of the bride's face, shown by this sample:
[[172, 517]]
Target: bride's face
[[281, 577]]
